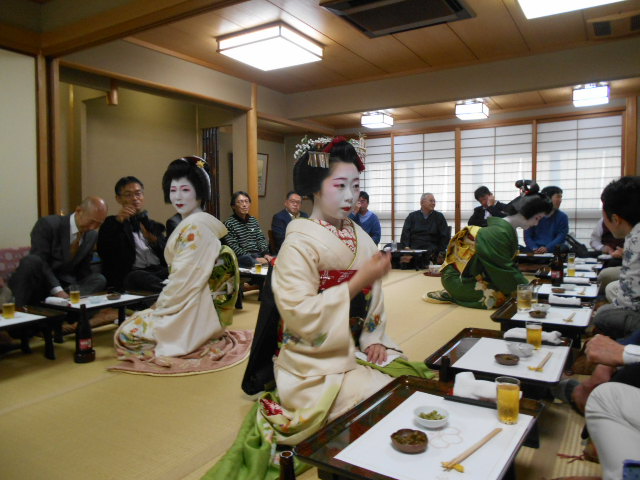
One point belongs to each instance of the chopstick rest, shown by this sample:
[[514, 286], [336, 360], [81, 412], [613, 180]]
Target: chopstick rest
[[455, 463], [569, 319]]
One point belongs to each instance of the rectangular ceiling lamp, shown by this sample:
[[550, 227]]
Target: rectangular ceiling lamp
[[376, 120], [544, 8], [270, 47], [472, 111], [591, 94]]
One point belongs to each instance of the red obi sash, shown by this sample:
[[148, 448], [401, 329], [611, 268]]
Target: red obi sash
[[331, 278]]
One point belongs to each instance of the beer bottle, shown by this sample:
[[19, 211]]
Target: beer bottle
[[84, 339], [557, 269], [287, 472]]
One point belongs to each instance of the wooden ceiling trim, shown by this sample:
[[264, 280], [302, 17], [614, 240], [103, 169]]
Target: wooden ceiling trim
[[152, 85], [19, 39], [122, 21], [302, 124]]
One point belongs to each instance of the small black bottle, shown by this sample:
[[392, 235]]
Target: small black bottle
[[557, 270], [287, 471], [445, 369], [84, 339]]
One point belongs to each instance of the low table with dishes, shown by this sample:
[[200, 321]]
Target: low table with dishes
[[43, 319], [367, 442]]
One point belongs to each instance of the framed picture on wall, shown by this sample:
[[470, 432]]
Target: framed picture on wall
[[263, 162]]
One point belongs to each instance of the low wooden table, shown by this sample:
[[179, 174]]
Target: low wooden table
[[467, 338], [44, 319], [322, 448]]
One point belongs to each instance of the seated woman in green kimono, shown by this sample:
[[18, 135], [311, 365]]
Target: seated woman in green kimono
[[479, 270]]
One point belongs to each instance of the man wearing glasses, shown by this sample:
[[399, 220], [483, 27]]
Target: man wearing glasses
[[130, 244], [280, 220]]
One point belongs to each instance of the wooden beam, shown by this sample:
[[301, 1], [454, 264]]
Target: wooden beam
[[630, 135], [19, 39], [44, 198], [252, 153]]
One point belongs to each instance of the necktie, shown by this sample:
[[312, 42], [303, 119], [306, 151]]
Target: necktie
[[75, 245]]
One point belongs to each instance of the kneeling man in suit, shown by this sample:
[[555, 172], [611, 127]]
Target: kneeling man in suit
[[61, 251], [281, 219]]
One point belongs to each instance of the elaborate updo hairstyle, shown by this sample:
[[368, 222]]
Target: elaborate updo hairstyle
[[193, 169], [529, 205], [315, 165]]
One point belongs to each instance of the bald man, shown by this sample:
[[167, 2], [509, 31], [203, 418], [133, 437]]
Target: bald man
[[61, 251]]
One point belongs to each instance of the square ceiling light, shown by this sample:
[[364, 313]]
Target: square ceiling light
[[270, 47], [472, 110], [591, 94], [376, 120], [543, 8]]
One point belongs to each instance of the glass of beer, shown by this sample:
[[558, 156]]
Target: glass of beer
[[9, 310], [534, 333], [258, 268], [508, 393], [524, 294], [534, 297], [571, 265], [74, 293]]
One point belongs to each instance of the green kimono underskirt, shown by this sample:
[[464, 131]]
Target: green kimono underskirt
[[253, 455]]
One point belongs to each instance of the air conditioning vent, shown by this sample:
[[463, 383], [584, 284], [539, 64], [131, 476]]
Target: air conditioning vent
[[376, 18], [601, 29], [635, 23]]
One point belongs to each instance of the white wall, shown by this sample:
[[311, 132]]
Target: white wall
[[18, 149]]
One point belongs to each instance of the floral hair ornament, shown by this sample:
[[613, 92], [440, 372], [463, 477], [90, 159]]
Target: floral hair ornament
[[319, 150], [200, 163]]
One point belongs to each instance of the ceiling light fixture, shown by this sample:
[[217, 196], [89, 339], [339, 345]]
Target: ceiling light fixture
[[376, 120], [270, 47], [472, 110], [591, 94], [543, 8]]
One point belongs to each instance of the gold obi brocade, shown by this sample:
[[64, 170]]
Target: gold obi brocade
[[462, 248]]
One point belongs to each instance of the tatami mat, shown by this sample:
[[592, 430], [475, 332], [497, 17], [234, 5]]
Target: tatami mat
[[61, 420]]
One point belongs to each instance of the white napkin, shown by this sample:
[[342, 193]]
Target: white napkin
[[57, 301], [586, 267], [556, 300], [551, 337], [576, 280], [391, 356], [467, 386]]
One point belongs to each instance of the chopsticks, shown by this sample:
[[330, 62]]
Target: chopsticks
[[570, 317], [542, 363], [452, 464]]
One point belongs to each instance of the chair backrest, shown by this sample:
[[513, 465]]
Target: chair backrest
[[10, 259], [224, 284]]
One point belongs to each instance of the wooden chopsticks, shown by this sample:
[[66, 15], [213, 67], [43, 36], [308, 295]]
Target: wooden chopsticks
[[470, 450], [542, 363], [570, 317]]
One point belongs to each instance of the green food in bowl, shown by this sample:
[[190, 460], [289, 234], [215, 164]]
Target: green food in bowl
[[432, 415]]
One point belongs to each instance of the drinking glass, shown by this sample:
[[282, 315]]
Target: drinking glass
[[508, 393], [74, 293], [534, 333], [524, 294], [571, 264], [258, 268], [9, 310]]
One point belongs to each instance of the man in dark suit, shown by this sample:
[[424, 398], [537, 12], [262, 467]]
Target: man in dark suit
[[281, 219], [61, 251], [489, 207], [130, 244]]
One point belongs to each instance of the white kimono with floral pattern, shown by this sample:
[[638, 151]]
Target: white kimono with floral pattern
[[316, 372], [184, 316]]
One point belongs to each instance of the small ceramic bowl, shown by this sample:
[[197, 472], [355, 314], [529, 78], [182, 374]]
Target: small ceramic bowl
[[431, 423], [113, 296], [96, 299], [407, 440], [558, 290], [537, 314], [541, 307], [508, 359], [434, 268], [521, 349]]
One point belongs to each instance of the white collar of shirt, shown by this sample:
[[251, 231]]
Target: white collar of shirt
[[74, 228]]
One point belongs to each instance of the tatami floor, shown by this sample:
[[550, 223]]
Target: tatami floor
[[61, 420]]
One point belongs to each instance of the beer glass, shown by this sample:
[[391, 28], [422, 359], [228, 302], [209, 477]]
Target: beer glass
[[571, 265], [534, 333], [508, 393], [524, 294], [258, 268], [74, 293], [9, 310]]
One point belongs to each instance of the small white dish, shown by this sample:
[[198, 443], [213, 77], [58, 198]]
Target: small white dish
[[96, 299], [568, 286], [521, 349], [541, 307], [434, 268], [425, 422]]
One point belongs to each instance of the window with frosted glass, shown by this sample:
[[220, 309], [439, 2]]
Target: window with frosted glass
[[376, 181]]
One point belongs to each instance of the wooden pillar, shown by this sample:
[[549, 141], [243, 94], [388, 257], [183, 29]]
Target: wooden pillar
[[393, 191], [252, 153], [45, 204], [630, 136], [458, 182], [534, 150], [55, 160]]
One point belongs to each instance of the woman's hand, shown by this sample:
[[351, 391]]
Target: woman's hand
[[376, 268], [376, 353]]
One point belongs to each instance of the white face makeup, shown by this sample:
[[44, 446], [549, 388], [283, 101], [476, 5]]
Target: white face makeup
[[338, 193], [183, 197]]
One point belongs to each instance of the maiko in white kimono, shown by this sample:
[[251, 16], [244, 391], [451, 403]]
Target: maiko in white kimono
[[316, 372], [182, 333]]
